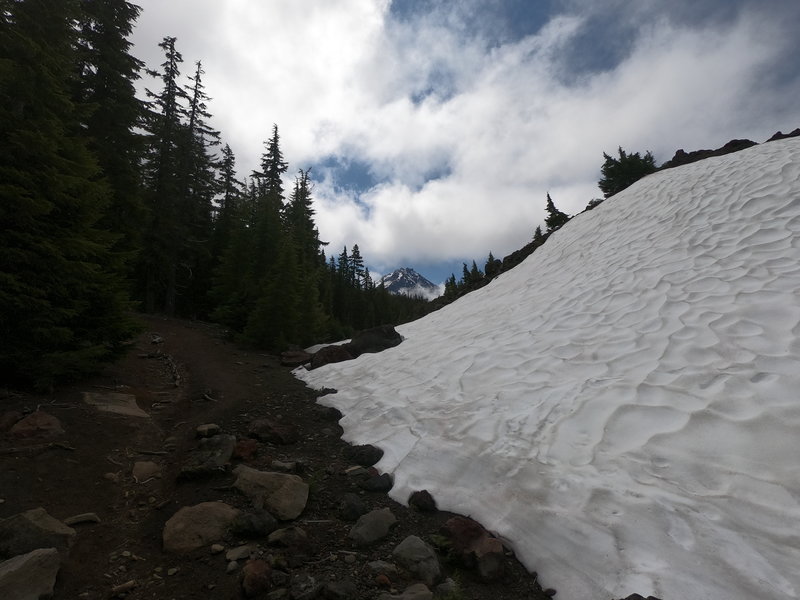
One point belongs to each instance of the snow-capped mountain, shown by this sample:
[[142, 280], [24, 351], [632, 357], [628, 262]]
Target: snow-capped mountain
[[407, 281], [621, 408]]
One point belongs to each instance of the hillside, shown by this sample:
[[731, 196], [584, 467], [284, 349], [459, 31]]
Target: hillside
[[624, 397]]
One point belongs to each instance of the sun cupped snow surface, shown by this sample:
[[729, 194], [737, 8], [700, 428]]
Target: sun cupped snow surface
[[623, 407]]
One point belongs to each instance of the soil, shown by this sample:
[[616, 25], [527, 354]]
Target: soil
[[184, 374]]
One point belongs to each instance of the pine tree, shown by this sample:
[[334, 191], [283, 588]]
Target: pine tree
[[619, 173], [555, 218], [105, 87], [538, 236], [62, 304], [492, 267]]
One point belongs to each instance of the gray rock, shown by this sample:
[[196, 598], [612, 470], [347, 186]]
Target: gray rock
[[34, 529], [352, 507], [241, 552], [255, 524], [210, 458], [418, 591], [29, 576], [207, 430], [382, 567], [193, 527], [285, 496], [304, 587], [419, 558], [372, 527], [365, 455], [289, 537]]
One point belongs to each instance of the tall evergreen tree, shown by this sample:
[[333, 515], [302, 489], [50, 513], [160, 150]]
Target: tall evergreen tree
[[105, 87], [555, 218], [619, 173], [62, 304]]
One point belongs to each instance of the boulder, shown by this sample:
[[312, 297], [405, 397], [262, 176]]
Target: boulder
[[255, 524], [365, 455], [210, 457], [419, 558], [476, 548], [38, 424], [329, 354], [274, 432], [30, 576], [373, 340], [283, 495], [34, 529], [422, 501], [373, 526], [351, 507], [294, 358], [377, 483], [256, 577], [193, 527]]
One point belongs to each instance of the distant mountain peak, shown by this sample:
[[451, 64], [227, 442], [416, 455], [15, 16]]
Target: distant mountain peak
[[407, 281]]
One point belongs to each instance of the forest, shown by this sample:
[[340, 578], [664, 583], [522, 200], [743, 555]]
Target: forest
[[113, 204]]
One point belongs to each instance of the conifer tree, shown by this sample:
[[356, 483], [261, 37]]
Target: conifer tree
[[538, 236], [619, 173], [104, 86], [492, 267], [62, 304], [555, 218]]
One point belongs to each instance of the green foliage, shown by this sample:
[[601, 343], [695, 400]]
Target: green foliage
[[555, 219], [619, 173]]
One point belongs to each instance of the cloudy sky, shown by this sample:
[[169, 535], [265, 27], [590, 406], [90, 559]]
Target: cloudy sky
[[435, 128]]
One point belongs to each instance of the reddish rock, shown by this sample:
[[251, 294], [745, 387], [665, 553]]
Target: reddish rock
[[383, 581], [329, 354], [256, 577], [9, 419], [37, 425], [275, 432], [476, 548], [294, 358], [245, 449]]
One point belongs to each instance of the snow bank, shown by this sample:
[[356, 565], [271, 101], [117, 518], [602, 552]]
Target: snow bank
[[623, 407]]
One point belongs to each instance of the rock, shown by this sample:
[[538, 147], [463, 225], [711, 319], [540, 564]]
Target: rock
[[422, 501], [376, 339], [372, 527], [294, 358], [377, 483], [329, 354], [365, 455], [304, 587], [637, 596], [256, 577], [352, 507], [172, 571], [38, 424], [30, 576], [245, 449], [241, 552], [383, 567], [289, 537], [476, 548], [255, 524], [340, 590], [207, 430], [9, 419], [144, 470], [34, 529], [232, 567], [447, 588], [210, 458], [418, 591], [81, 518], [782, 136], [419, 558], [283, 495], [217, 548], [274, 432], [193, 527], [114, 402]]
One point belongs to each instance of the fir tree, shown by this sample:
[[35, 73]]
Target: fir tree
[[538, 236], [492, 267], [555, 218], [62, 304], [619, 173]]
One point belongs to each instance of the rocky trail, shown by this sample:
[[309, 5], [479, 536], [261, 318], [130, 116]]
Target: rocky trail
[[195, 469]]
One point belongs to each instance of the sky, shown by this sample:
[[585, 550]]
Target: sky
[[435, 129]]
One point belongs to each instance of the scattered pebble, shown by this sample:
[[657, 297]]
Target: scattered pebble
[[232, 567], [172, 571]]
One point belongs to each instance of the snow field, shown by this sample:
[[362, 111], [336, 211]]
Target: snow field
[[624, 406]]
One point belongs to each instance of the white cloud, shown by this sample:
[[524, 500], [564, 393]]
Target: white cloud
[[497, 126]]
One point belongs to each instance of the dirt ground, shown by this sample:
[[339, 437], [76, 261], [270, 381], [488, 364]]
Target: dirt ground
[[184, 374]]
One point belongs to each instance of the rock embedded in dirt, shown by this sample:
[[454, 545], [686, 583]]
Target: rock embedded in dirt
[[422, 501], [476, 548], [328, 355], [419, 558], [245, 449], [256, 577], [295, 358], [351, 507], [365, 455], [304, 587], [373, 526], [285, 496], [39, 425], [9, 419], [30, 576], [145, 469], [241, 552], [210, 458], [207, 430], [255, 524], [274, 432], [340, 590], [193, 527], [377, 483], [34, 529], [417, 591]]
